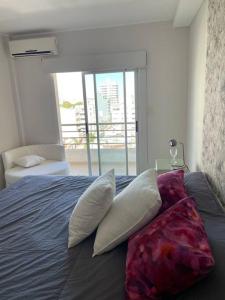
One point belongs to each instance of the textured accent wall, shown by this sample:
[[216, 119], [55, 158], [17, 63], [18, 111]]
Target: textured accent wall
[[213, 159]]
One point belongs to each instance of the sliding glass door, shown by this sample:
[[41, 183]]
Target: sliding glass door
[[98, 121]]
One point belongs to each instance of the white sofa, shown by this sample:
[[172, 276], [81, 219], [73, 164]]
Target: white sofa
[[54, 163]]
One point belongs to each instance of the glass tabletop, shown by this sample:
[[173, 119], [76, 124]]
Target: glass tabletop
[[163, 164]]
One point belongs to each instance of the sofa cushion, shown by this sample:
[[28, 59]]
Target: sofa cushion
[[28, 161]]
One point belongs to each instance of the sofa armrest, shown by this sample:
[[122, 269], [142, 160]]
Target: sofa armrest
[[48, 151]]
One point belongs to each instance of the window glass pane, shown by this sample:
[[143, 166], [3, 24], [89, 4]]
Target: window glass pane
[[110, 97], [93, 142], [72, 116], [130, 94], [112, 148], [90, 95]]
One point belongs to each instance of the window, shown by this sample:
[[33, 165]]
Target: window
[[98, 121]]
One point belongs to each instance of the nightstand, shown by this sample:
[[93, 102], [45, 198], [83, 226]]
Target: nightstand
[[163, 165]]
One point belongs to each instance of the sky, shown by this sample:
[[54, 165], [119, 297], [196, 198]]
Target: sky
[[70, 84]]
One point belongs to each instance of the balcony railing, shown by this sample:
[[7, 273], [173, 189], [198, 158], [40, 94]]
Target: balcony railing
[[111, 135], [115, 147]]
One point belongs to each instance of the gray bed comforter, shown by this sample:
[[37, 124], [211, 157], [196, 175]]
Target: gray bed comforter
[[35, 263]]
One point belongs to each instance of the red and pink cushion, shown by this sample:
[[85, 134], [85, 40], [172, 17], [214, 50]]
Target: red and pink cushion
[[169, 255], [171, 188]]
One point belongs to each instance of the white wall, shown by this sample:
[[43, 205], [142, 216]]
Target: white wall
[[196, 91], [9, 137], [167, 80]]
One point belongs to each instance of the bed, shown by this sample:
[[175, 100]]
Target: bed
[[36, 264]]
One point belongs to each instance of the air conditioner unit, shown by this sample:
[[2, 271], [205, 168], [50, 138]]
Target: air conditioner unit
[[33, 47]]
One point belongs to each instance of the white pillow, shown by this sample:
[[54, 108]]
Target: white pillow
[[133, 208], [28, 161], [91, 208]]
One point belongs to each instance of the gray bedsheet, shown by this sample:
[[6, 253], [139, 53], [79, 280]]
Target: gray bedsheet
[[36, 264]]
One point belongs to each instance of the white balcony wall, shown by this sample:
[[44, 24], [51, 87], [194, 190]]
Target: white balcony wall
[[110, 155]]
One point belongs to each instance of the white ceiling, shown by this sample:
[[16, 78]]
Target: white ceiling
[[31, 16], [186, 10]]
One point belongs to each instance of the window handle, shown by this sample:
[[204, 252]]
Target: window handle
[[86, 128], [137, 127]]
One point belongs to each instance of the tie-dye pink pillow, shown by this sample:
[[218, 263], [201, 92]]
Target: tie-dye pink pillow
[[171, 188], [168, 255]]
